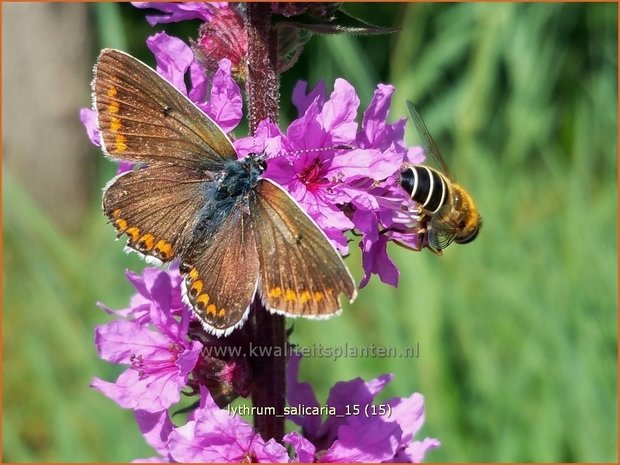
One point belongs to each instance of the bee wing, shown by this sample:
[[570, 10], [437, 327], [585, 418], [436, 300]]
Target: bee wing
[[430, 147], [443, 228]]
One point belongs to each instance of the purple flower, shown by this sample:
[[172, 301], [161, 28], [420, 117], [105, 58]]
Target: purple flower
[[350, 434], [147, 299], [175, 58], [152, 340], [214, 435], [345, 176], [180, 11]]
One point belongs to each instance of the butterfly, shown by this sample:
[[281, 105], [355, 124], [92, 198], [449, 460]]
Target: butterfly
[[234, 233]]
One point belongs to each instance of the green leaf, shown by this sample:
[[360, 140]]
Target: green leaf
[[339, 23]]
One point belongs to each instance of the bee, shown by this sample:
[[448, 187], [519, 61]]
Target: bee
[[447, 211]]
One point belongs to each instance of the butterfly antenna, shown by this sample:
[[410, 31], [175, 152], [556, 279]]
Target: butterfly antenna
[[318, 150]]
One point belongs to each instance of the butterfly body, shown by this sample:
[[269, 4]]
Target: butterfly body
[[231, 188], [235, 234]]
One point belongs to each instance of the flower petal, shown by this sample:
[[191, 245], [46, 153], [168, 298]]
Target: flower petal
[[375, 259], [88, 117], [119, 340], [364, 440], [225, 105], [155, 427], [301, 393], [338, 114], [416, 451], [302, 101], [304, 449], [409, 413], [365, 163], [179, 11], [173, 58]]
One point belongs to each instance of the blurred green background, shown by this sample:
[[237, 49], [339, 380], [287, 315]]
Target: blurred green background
[[517, 331]]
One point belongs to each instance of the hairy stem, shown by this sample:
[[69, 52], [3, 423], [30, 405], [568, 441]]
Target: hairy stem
[[263, 93]]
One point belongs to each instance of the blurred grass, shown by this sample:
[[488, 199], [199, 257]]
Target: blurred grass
[[517, 331]]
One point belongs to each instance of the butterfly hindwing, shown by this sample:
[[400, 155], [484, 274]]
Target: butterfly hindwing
[[221, 272], [301, 274], [143, 118], [156, 208]]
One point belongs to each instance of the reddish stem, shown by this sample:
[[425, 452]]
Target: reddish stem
[[263, 93]]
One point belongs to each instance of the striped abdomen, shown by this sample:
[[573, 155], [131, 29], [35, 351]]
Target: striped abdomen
[[426, 186]]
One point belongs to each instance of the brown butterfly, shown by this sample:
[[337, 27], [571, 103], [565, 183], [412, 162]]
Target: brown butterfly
[[234, 233]]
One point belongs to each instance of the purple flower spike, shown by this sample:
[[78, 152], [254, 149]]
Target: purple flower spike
[[159, 361]]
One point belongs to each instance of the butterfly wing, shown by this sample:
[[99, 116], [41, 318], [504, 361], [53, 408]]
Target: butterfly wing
[[143, 118], [221, 272], [301, 274], [156, 207]]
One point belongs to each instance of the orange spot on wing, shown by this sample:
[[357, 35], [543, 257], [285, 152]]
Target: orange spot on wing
[[197, 287], [275, 292], [305, 296], [193, 274], [203, 299], [147, 241], [113, 107], [116, 213], [290, 295], [211, 309], [115, 124], [164, 249], [133, 233], [112, 91], [120, 144], [318, 296], [120, 224], [222, 312]]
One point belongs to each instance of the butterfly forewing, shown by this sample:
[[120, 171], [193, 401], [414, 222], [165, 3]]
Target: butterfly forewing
[[221, 273], [301, 274], [143, 118]]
